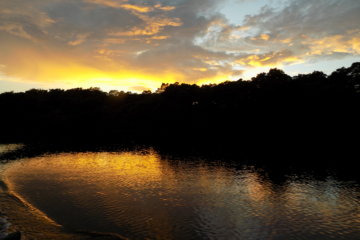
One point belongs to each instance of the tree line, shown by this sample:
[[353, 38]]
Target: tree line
[[273, 111]]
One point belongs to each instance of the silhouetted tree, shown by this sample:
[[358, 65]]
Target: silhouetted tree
[[271, 111]]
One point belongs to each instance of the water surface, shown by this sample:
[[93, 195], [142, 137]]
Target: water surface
[[143, 195]]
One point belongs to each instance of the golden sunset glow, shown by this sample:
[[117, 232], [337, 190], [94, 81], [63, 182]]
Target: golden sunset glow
[[136, 45]]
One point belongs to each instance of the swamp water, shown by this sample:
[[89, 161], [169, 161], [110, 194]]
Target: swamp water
[[142, 195]]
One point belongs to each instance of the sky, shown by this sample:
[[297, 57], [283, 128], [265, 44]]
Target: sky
[[135, 45]]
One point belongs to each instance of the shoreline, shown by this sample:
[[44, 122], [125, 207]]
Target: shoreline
[[21, 216], [18, 215]]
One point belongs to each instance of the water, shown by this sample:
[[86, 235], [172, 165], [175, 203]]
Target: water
[[143, 195]]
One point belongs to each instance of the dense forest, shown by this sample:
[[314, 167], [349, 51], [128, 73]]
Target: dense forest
[[272, 112]]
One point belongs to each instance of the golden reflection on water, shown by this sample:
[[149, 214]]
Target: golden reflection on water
[[257, 190], [100, 169], [142, 195]]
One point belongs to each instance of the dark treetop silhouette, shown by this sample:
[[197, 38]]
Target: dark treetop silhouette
[[272, 112]]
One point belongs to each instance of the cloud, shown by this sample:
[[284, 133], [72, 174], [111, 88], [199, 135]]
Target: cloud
[[136, 43], [79, 39], [114, 42], [152, 26], [124, 4], [121, 4], [269, 59], [300, 31], [24, 20], [311, 29], [16, 30]]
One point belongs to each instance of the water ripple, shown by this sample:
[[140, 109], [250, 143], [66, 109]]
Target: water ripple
[[145, 196]]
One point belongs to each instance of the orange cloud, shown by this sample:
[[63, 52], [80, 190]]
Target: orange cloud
[[272, 59], [264, 37], [160, 37], [132, 7], [137, 8], [336, 43], [164, 8], [153, 25]]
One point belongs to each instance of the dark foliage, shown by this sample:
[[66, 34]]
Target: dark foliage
[[272, 113]]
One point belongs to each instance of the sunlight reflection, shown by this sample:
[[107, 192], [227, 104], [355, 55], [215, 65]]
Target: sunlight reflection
[[143, 195]]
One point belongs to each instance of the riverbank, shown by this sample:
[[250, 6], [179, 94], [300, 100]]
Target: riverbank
[[17, 215]]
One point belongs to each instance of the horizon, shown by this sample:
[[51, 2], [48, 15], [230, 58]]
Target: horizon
[[173, 83], [133, 45]]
